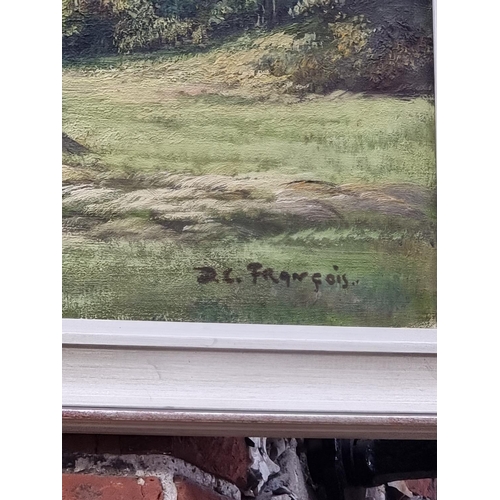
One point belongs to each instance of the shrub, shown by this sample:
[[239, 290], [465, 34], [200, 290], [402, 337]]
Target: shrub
[[139, 28], [87, 27], [199, 35], [351, 55], [350, 37], [314, 73], [406, 65], [322, 63]]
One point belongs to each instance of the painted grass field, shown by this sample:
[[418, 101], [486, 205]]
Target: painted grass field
[[174, 163]]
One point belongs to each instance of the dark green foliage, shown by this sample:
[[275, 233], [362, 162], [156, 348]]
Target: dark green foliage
[[105, 26], [336, 45], [176, 8], [405, 65], [362, 45], [139, 28], [351, 54], [87, 27]]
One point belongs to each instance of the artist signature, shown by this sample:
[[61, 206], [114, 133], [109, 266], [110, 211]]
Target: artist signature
[[257, 272]]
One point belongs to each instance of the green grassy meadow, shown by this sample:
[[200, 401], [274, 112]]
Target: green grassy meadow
[[184, 163]]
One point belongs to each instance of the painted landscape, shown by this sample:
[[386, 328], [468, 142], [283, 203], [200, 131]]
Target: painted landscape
[[240, 161]]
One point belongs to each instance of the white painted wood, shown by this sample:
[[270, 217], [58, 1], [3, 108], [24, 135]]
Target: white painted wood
[[257, 381], [238, 378], [256, 337]]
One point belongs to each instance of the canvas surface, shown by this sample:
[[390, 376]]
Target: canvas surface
[[246, 162]]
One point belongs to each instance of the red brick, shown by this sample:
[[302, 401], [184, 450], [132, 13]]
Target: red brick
[[187, 490], [423, 487], [224, 457], [91, 487]]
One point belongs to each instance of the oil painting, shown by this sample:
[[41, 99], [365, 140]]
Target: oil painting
[[249, 161]]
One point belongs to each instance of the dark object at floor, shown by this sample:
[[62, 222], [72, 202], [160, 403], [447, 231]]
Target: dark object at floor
[[336, 464]]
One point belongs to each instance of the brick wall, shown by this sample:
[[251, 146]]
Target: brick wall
[[101, 467]]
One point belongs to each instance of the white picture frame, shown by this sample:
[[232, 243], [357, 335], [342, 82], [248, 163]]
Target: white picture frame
[[135, 377], [385, 379]]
